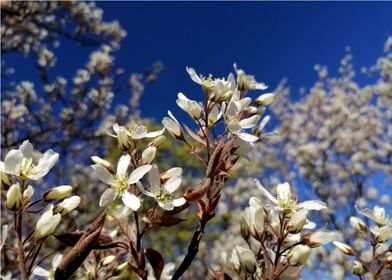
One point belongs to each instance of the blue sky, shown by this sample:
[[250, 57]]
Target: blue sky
[[270, 40]]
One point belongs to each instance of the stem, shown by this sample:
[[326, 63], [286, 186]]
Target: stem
[[21, 253], [193, 248]]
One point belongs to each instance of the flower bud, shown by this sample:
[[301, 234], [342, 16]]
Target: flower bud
[[148, 155], [358, 268], [346, 249], [28, 194], [47, 224], [107, 260], [157, 141], [245, 231], [173, 126], [67, 205], [297, 221], [14, 196], [5, 181], [247, 259], [298, 255], [319, 237], [254, 217], [102, 162], [264, 99], [57, 193], [358, 224]]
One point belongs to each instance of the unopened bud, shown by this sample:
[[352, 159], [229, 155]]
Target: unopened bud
[[5, 180], [346, 249], [297, 221], [319, 237], [28, 194], [148, 155], [173, 126], [358, 268], [57, 193], [14, 196], [358, 224], [109, 259], [264, 99], [67, 205], [157, 141], [247, 259], [245, 232], [298, 255], [102, 162], [47, 224]]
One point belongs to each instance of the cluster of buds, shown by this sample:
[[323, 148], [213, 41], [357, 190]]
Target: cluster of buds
[[279, 236], [20, 168], [375, 259]]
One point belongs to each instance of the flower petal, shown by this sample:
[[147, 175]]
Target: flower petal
[[45, 163], [179, 202], [250, 122], [143, 190], [39, 271], [27, 149], [167, 206], [266, 193], [156, 133], [130, 200], [193, 75], [312, 205], [13, 161], [107, 197], [153, 177], [138, 173], [103, 174], [122, 165], [56, 260], [283, 191], [248, 137], [172, 184]]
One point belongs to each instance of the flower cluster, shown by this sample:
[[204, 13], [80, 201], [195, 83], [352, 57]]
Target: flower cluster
[[24, 165], [279, 235], [374, 257]]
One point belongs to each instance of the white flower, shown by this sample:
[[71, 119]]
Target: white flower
[[136, 132], [24, 164], [247, 82], [173, 126], [163, 194], [377, 215], [47, 223], [193, 108], [206, 83], [49, 274], [383, 234], [120, 182], [5, 180], [233, 120], [284, 201]]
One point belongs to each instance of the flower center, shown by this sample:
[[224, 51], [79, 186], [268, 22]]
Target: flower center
[[27, 168], [121, 184], [162, 195]]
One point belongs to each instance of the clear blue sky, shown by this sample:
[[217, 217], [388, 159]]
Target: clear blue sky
[[271, 40]]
